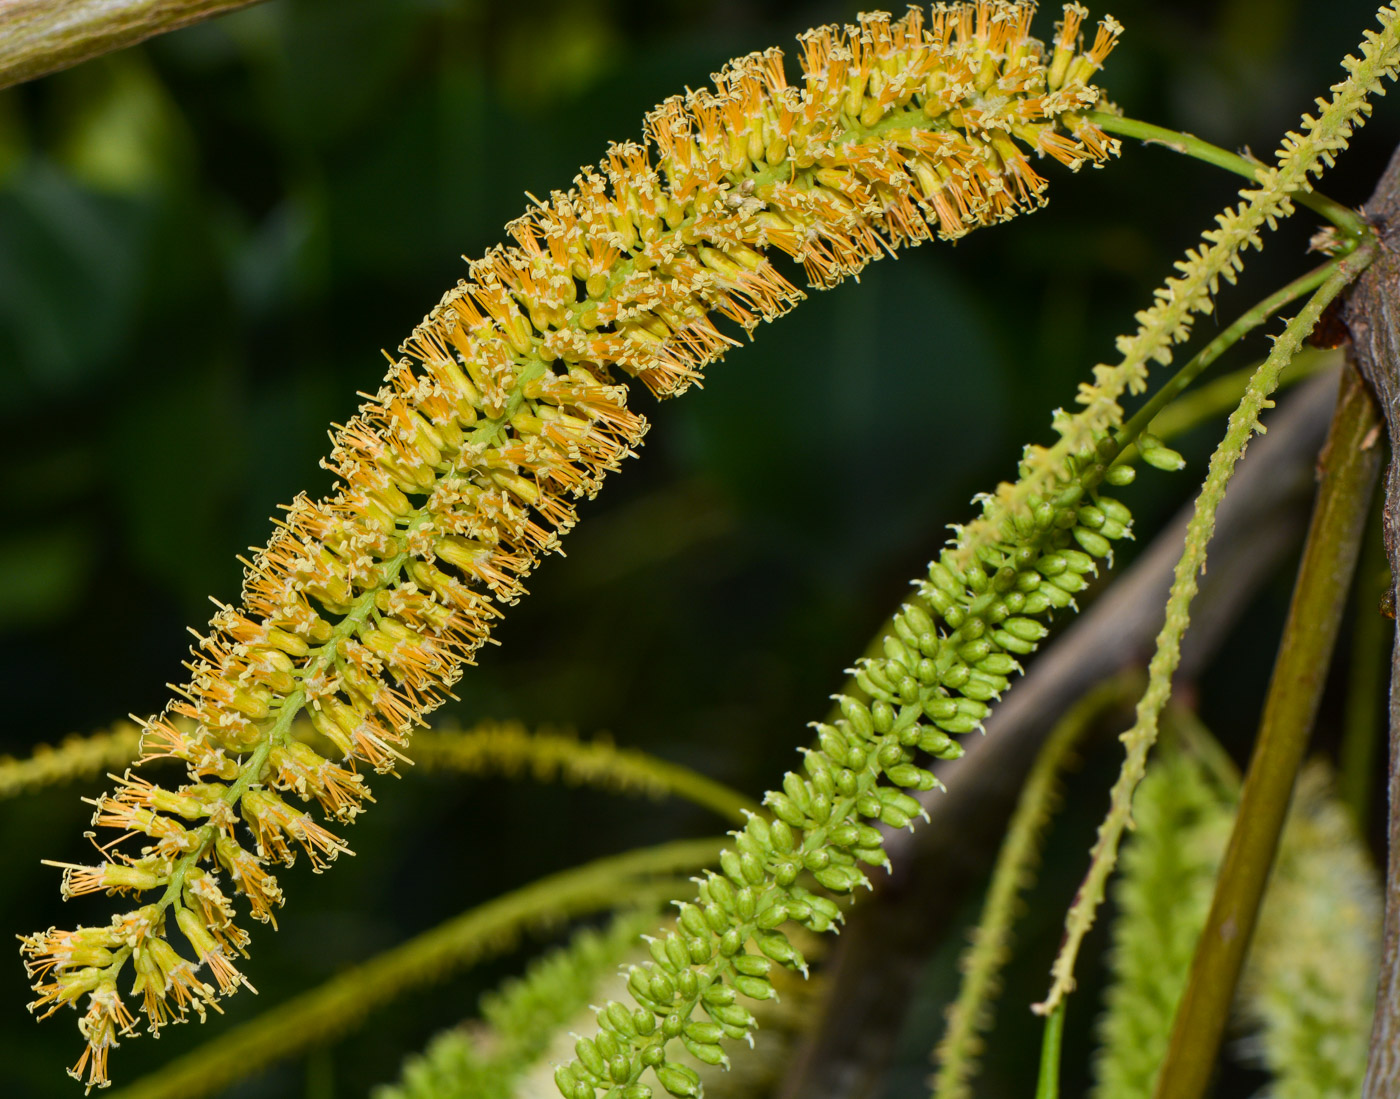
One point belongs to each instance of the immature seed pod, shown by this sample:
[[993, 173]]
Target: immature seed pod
[[706, 1052], [1093, 542], [679, 1080], [1158, 456], [588, 1055]]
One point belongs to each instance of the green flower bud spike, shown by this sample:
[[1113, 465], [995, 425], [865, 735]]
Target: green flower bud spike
[[949, 651]]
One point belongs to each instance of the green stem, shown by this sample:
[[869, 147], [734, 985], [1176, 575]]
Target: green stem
[[1314, 618], [1246, 323], [1370, 655], [1348, 221], [1138, 741], [1014, 872], [1218, 397], [1048, 1082]]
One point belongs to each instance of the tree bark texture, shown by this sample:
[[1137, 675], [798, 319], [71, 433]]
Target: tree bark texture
[[1373, 316]]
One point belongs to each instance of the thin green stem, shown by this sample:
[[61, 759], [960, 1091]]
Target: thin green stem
[[1295, 691], [1348, 221], [1014, 873], [1048, 1081], [1219, 396], [1370, 654], [1243, 325], [1138, 740]]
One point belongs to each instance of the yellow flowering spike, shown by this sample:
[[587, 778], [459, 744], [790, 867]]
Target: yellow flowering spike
[[464, 468]]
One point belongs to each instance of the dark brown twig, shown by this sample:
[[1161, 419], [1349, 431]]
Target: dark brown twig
[[43, 36], [1373, 316]]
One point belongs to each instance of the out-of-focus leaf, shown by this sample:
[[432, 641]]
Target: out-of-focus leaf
[[41, 575], [119, 130], [70, 272]]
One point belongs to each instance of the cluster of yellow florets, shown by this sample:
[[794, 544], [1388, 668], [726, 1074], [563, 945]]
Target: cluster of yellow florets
[[463, 470]]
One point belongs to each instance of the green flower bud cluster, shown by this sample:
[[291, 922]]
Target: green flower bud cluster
[[949, 654], [521, 1018], [1158, 455]]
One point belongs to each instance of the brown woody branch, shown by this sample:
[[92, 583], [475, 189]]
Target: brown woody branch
[[43, 36], [1373, 316]]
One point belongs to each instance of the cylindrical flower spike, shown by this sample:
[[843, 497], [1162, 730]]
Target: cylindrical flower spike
[[463, 470]]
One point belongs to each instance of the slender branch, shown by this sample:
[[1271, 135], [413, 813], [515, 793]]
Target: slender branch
[[1138, 740], [1048, 1082], [1350, 463], [1218, 397], [545, 755], [42, 36], [1348, 221], [1013, 874], [487, 748], [875, 969], [1370, 645], [1244, 324]]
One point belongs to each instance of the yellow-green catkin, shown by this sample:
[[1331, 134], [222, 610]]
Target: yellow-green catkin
[[77, 758], [1308, 987], [462, 471]]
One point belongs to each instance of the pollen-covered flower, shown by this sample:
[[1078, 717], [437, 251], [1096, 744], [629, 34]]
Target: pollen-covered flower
[[503, 411]]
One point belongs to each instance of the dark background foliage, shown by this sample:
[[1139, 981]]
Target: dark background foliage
[[203, 243]]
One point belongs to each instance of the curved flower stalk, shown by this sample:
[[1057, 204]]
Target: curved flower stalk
[[1244, 423], [1300, 158], [508, 748], [462, 471], [486, 748], [949, 652]]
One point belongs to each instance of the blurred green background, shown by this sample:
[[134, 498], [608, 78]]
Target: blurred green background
[[204, 243]]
